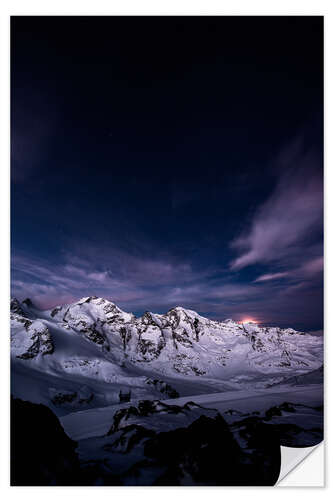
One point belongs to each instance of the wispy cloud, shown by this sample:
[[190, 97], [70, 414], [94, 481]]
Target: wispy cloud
[[118, 275], [270, 276], [283, 226], [306, 271], [313, 266], [133, 282]]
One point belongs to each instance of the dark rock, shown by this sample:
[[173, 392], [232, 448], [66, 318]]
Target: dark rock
[[41, 453], [15, 307], [63, 397], [55, 311], [131, 436], [206, 453], [28, 302], [124, 397], [276, 411], [71, 399], [163, 387], [203, 451], [125, 335], [120, 416]]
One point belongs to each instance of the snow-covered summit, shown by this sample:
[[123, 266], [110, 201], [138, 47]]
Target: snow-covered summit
[[95, 340]]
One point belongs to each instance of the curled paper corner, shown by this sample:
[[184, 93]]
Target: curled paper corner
[[302, 466]]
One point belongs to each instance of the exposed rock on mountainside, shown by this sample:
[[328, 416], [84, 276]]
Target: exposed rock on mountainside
[[71, 399], [15, 307], [313, 377], [163, 387], [29, 337]]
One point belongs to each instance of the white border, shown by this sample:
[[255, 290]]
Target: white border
[[166, 7], [145, 7]]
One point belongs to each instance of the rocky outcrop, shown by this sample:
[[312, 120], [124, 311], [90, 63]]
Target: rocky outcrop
[[41, 453], [152, 408], [192, 455], [294, 424], [163, 387], [187, 445], [71, 399]]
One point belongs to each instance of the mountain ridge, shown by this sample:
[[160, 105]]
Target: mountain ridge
[[93, 344]]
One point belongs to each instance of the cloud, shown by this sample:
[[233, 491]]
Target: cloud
[[142, 279], [100, 277], [307, 271], [133, 282], [283, 226], [313, 266], [284, 236], [53, 283], [271, 276], [120, 276]]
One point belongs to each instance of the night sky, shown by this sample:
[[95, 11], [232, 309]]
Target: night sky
[[168, 161]]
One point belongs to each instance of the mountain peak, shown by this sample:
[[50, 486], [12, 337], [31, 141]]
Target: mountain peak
[[180, 342], [95, 300], [181, 310]]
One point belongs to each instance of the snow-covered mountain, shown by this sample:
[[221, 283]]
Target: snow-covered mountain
[[92, 353]]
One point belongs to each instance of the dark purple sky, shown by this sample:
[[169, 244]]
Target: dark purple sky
[[170, 161]]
